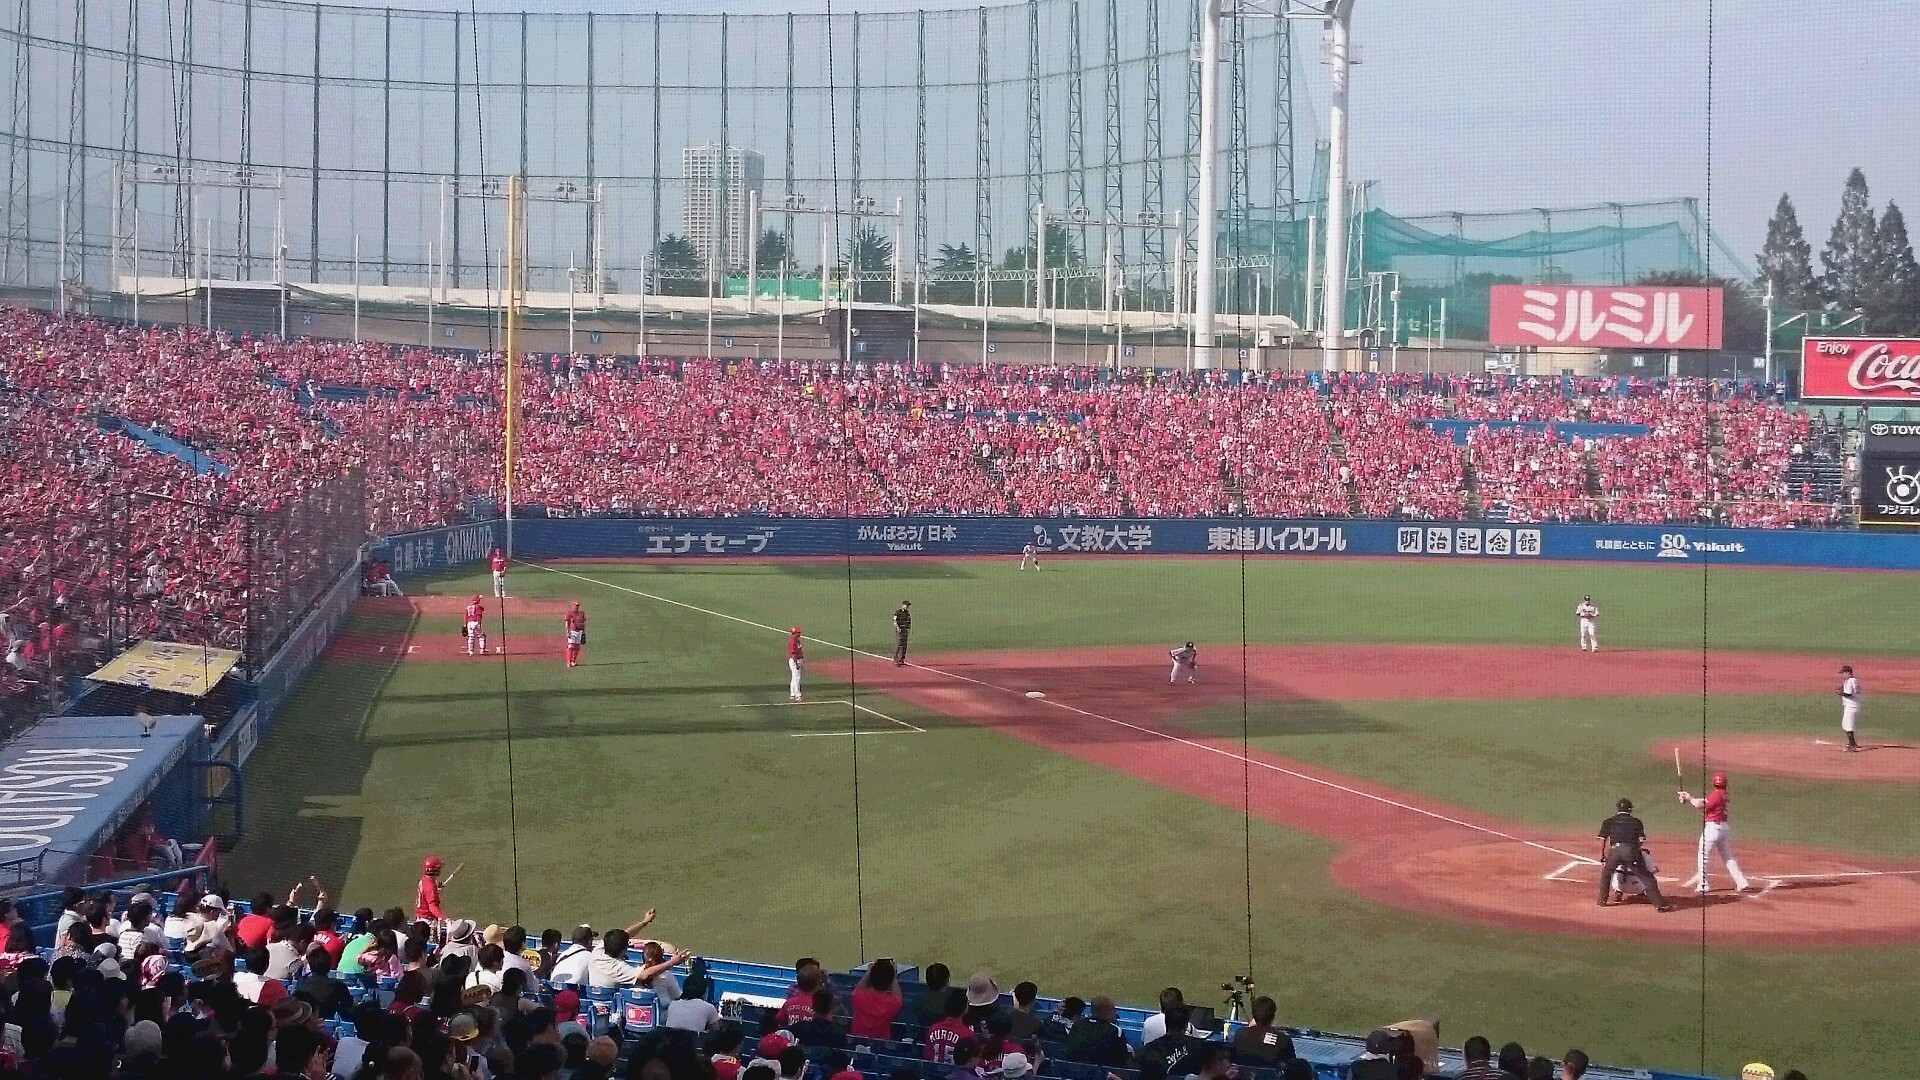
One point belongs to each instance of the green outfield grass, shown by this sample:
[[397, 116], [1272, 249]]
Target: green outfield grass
[[630, 783]]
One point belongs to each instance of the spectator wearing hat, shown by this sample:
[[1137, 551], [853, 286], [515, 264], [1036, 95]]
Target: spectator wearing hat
[[1262, 1043], [1756, 1071], [876, 1001], [462, 940], [1095, 1038], [566, 1014], [1016, 1065], [768, 1050], [983, 999], [1377, 1062]]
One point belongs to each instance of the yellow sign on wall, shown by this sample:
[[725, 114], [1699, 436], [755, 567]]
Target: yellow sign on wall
[[164, 665]]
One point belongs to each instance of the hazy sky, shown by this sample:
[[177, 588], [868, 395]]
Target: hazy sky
[[1502, 104]]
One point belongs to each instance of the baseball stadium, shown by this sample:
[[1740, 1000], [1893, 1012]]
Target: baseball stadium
[[1137, 539]]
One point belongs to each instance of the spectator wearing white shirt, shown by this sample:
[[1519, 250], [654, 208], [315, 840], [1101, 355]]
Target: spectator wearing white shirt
[[139, 929], [610, 968], [570, 966], [1156, 1025]]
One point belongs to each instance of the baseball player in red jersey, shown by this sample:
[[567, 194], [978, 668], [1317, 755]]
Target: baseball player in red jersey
[[1716, 835], [576, 633], [426, 898], [499, 564], [796, 664], [476, 626]]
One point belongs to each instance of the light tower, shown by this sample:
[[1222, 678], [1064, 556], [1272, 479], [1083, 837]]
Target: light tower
[[1339, 14]]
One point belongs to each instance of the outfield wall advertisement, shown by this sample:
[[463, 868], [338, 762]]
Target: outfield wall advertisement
[[721, 538]]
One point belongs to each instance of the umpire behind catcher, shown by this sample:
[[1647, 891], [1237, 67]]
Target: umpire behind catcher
[[1620, 838]]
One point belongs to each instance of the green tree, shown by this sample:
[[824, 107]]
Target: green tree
[[955, 276], [1893, 294], [678, 265], [1786, 261], [1744, 327], [1849, 253], [770, 252], [871, 256]]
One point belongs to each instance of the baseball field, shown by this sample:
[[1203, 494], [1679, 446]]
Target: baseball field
[[1378, 798]]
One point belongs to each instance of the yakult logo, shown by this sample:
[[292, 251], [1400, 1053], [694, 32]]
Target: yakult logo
[[1878, 367]]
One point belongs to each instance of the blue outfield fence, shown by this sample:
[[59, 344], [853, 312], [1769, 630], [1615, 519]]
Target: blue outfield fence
[[751, 537]]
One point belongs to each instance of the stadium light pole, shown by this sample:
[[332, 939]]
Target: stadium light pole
[[1334, 301], [1206, 199], [573, 273]]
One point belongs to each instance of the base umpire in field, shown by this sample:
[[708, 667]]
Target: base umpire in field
[[1621, 837], [902, 626]]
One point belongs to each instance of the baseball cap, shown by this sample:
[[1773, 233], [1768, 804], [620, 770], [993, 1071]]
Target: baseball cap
[[1380, 1041], [463, 1027], [566, 1005], [981, 990], [213, 900], [775, 1043], [143, 1038]]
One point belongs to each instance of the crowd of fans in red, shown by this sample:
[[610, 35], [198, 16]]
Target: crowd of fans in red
[[705, 437]]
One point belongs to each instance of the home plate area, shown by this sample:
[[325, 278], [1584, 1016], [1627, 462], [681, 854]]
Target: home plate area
[[1801, 897]]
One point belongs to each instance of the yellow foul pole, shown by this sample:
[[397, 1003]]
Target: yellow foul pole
[[512, 319]]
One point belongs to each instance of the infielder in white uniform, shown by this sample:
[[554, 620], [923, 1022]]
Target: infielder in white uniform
[[1185, 658], [1030, 556], [1589, 615], [1716, 835], [1849, 707]]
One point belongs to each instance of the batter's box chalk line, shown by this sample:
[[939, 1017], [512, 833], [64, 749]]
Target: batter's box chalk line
[[903, 727]]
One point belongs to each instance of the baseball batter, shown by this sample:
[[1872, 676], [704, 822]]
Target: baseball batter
[[476, 626], [1030, 557], [1716, 835], [1849, 707], [1589, 615], [499, 564], [796, 664], [1185, 658]]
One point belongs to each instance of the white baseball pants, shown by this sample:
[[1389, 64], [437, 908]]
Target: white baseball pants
[[1717, 838]]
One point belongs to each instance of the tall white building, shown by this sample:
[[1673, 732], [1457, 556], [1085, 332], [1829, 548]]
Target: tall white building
[[714, 187]]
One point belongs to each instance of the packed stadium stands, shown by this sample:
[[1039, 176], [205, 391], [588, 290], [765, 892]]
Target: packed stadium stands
[[225, 424], [190, 984]]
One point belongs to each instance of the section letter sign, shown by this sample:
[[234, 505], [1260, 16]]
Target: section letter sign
[[1862, 371], [1605, 316]]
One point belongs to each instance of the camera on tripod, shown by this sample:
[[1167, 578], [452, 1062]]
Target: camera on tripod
[[1238, 989]]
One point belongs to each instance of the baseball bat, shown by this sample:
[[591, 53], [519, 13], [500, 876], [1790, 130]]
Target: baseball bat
[[455, 872], [1677, 774]]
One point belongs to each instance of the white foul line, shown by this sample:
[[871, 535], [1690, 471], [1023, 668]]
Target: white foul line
[[905, 728], [1169, 737]]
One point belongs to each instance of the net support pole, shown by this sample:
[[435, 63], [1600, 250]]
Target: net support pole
[[510, 406], [1333, 297]]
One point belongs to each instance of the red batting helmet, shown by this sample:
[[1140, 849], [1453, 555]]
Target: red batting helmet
[[1719, 779], [430, 864], [476, 598]]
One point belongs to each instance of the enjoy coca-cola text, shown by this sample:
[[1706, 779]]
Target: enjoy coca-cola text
[[1878, 367]]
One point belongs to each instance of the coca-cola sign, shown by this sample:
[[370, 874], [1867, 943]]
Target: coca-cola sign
[[1861, 370], [1662, 318]]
